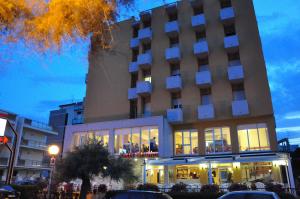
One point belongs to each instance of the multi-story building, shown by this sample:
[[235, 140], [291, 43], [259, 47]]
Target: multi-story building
[[31, 161], [67, 114], [184, 89]]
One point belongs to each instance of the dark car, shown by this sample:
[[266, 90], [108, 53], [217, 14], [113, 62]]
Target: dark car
[[137, 195], [7, 191], [250, 195]]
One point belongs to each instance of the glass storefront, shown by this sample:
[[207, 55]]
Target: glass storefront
[[82, 138], [253, 137], [136, 140], [217, 140], [186, 142]]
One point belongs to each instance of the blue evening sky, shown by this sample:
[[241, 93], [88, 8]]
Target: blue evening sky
[[33, 84]]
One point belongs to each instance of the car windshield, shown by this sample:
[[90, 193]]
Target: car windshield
[[248, 196]]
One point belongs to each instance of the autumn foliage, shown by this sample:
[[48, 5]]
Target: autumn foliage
[[48, 24]]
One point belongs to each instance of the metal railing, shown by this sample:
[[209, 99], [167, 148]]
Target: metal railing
[[31, 163], [41, 125], [34, 144]]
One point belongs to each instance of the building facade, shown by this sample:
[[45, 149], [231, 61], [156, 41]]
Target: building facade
[[184, 90], [32, 162], [67, 114]]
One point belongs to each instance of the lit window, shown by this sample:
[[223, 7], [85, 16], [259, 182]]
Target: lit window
[[253, 137], [186, 142], [83, 138], [217, 140]]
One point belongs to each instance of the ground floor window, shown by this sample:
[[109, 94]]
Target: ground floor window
[[217, 140], [186, 142], [253, 137], [136, 140], [82, 138]]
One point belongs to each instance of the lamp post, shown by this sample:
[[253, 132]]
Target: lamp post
[[53, 151]]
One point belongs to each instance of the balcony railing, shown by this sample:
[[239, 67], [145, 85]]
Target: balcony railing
[[235, 73], [206, 111], [173, 54], [227, 14], [132, 93], [198, 21], [145, 60], [201, 48], [144, 88], [172, 28], [31, 163], [133, 67], [145, 35], [40, 125], [203, 78], [231, 42], [240, 107], [174, 83], [34, 144], [175, 115], [134, 42]]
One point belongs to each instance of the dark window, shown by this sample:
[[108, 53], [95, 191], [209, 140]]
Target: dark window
[[198, 10], [135, 31], [134, 79], [238, 92], [233, 56], [229, 30], [203, 61], [133, 109], [147, 23], [146, 106], [205, 94], [200, 35], [174, 41], [146, 47], [173, 16], [135, 53], [226, 3], [176, 100], [175, 69]]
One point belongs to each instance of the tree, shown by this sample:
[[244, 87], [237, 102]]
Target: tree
[[48, 24], [90, 160]]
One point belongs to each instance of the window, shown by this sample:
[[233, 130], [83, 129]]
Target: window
[[83, 138], [198, 10], [172, 14], [205, 95], [201, 36], [229, 30], [134, 79], [147, 75], [225, 3], [176, 100], [133, 109], [234, 59], [135, 53], [186, 142], [203, 64], [175, 69], [136, 140], [135, 31], [217, 140], [238, 92], [174, 41], [253, 137], [147, 48], [146, 106]]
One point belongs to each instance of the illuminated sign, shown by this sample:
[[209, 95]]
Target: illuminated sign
[[3, 140], [139, 155], [3, 123]]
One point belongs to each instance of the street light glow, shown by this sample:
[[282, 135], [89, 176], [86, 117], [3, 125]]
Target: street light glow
[[53, 150]]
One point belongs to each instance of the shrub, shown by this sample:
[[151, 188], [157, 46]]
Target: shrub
[[28, 191], [102, 188], [210, 188], [180, 187], [147, 187], [237, 187], [277, 188]]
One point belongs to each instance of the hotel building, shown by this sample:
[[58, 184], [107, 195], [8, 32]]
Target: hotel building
[[184, 92]]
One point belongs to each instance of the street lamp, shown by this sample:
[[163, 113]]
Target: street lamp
[[53, 150]]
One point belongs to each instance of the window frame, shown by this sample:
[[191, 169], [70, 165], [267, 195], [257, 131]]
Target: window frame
[[184, 145], [213, 140]]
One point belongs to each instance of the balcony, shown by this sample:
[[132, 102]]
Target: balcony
[[235, 73], [227, 14], [132, 93], [173, 54], [175, 115], [203, 78], [231, 42], [143, 88], [172, 28], [31, 163], [145, 35], [133, 67], [78, 120], [201, 48], [240, 108], [134, 43], [206, 111], [144, 60], [33, 144], [198, 22], [174, 83]]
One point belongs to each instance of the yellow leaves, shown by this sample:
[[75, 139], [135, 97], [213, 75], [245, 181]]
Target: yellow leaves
[[48, 24]]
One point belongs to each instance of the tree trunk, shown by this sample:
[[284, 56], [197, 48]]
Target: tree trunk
[[85, 187]]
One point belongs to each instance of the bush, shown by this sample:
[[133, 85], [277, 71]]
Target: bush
[[180, 187], [277, 188], [28, 191], [237, 187], [195, 195], [102, 188], [147, 187], [210, 188]]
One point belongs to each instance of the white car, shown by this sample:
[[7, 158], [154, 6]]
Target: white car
[[250, 195]]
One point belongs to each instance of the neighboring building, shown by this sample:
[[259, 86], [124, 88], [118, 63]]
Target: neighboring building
[[185, 89], [67, 114], [32, 160]]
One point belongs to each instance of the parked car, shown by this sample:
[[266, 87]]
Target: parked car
[[7, 191], [250, 195], [135, 194]]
